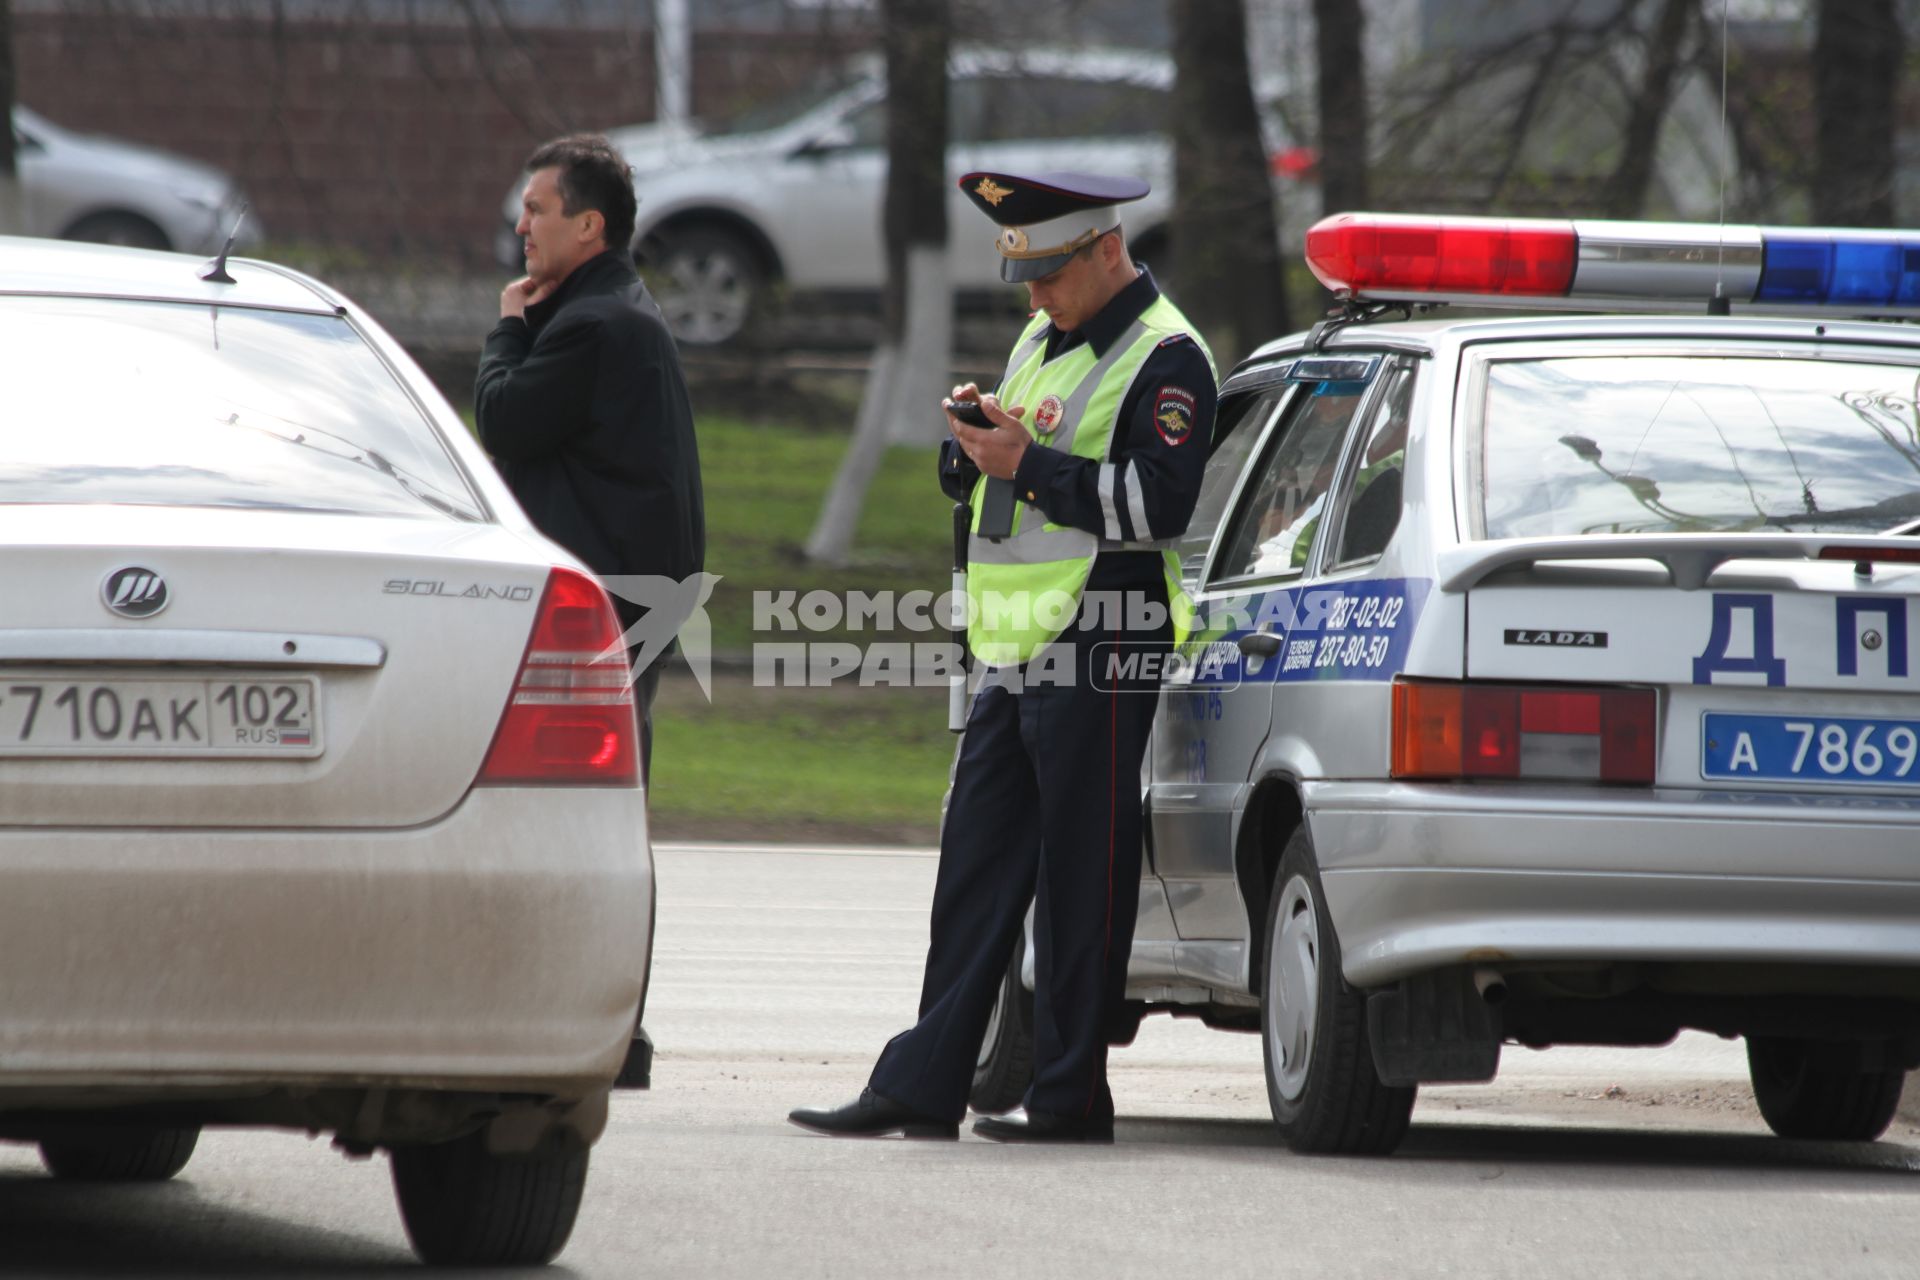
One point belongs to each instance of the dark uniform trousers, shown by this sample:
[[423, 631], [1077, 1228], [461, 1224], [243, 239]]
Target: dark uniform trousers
[[1044, 808]]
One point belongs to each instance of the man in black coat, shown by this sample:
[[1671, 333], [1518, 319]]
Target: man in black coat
[[580, 397]]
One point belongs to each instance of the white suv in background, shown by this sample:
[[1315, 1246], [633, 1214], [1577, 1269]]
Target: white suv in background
[[792, 193]]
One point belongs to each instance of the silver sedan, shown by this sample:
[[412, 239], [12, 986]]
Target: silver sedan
[[318, 762]]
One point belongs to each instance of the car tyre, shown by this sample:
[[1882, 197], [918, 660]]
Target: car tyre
[[1801, 1097], [119, 1155], [1005, 1067], [709, 284], [128, 229], [1321, 1083], [466, 1206]]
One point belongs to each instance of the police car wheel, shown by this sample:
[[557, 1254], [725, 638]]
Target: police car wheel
[[1805, 1093], [1321, 1083], [1005, 1067]]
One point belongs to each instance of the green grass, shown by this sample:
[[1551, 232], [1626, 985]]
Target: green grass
[[839, 762], [764, 484], [795, 764]]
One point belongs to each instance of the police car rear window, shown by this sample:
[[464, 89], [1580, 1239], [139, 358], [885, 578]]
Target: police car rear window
[[160, 403], [1708, 444]]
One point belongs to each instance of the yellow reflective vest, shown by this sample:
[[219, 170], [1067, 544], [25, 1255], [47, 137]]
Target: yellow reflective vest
[[1023, 590]]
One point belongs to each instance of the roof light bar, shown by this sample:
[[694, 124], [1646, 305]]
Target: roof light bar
[[1540, 261]]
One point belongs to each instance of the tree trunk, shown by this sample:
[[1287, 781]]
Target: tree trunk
[[11, 214], [914, 360], [1225, 241], [1856, 70], [1339, 33], [1626, 192]]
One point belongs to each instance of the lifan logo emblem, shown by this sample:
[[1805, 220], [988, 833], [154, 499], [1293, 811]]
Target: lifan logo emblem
[[134, 592]]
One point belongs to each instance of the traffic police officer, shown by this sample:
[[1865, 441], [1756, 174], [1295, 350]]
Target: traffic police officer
[[1085, 474]]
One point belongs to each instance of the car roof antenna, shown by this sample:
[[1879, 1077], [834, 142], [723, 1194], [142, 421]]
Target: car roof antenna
[[216, 270]]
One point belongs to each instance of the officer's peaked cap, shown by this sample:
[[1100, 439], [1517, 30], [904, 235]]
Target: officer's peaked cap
[[1045, 217]]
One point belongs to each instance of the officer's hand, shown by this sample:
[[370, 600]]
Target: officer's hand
[[996, 450], [521, 294]]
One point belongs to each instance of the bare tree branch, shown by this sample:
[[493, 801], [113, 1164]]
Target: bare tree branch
[[545, 122], [1856, 69], [1626, 190], [1341, 88], [1225, 241], [1527, 108], [8, 168]]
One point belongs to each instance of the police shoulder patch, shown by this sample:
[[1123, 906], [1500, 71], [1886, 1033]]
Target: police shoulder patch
[[1173, 414]]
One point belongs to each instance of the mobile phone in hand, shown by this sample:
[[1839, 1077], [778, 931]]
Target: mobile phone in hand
[[971, 412]]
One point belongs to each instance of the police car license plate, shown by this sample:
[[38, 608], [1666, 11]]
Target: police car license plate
[[169, 717], [1811, 749]]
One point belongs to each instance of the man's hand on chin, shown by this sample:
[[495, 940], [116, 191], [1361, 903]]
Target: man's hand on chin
[[521, 294]]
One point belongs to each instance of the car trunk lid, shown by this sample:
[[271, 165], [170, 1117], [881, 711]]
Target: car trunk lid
[[300, 670]]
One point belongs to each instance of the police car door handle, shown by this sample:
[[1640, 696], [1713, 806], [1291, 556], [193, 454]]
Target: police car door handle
[[1259, 644]]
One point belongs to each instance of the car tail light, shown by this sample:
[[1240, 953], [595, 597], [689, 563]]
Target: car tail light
[[570, 719], [1461, 729], [1867, 555]]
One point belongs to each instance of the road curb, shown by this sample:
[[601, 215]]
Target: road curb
[[1910, 1099]]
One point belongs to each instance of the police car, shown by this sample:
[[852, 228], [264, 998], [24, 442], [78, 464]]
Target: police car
[[1556, 679]]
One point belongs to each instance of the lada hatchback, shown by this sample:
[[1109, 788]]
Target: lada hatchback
[[319, 799], [1557, 677]]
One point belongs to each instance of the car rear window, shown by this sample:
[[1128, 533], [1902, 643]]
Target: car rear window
[[1699, 444], [112, 401]]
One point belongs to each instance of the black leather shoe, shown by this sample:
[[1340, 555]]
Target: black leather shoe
[[1038, 1126], [872, 1116]]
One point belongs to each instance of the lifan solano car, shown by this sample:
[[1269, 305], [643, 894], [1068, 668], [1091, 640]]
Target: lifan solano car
[[317, 762], [1558, 679]]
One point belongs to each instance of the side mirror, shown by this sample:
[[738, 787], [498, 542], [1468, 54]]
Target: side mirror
[[837, 137]]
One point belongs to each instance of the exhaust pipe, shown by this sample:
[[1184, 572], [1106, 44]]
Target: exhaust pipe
[[1491, 985]]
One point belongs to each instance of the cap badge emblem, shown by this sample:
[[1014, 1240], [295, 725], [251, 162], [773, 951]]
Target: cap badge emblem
[[1013, 240], [992, 192], [1046, 419]]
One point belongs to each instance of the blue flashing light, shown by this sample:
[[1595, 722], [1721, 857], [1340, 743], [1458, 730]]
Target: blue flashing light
[[1822, 271]]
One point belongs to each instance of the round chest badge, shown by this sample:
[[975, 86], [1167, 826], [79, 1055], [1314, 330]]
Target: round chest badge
[[1046, 419]]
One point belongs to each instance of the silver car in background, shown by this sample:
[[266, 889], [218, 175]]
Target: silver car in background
[[1559, 683], [318, 764], [790, 195], [83, 187]]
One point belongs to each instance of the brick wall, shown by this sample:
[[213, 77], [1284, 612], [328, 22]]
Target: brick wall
[[396, 139]]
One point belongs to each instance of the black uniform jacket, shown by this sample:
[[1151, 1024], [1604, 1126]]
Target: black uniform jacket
[[585, 411], [1163, 433]]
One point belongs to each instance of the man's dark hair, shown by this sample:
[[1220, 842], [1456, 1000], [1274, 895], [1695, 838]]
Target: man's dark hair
[[592, 176]]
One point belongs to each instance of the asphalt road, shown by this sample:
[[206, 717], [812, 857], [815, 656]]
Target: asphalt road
[[779, 972]]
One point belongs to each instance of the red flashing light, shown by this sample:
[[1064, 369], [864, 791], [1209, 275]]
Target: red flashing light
[[570, 719], [1364, 253]]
